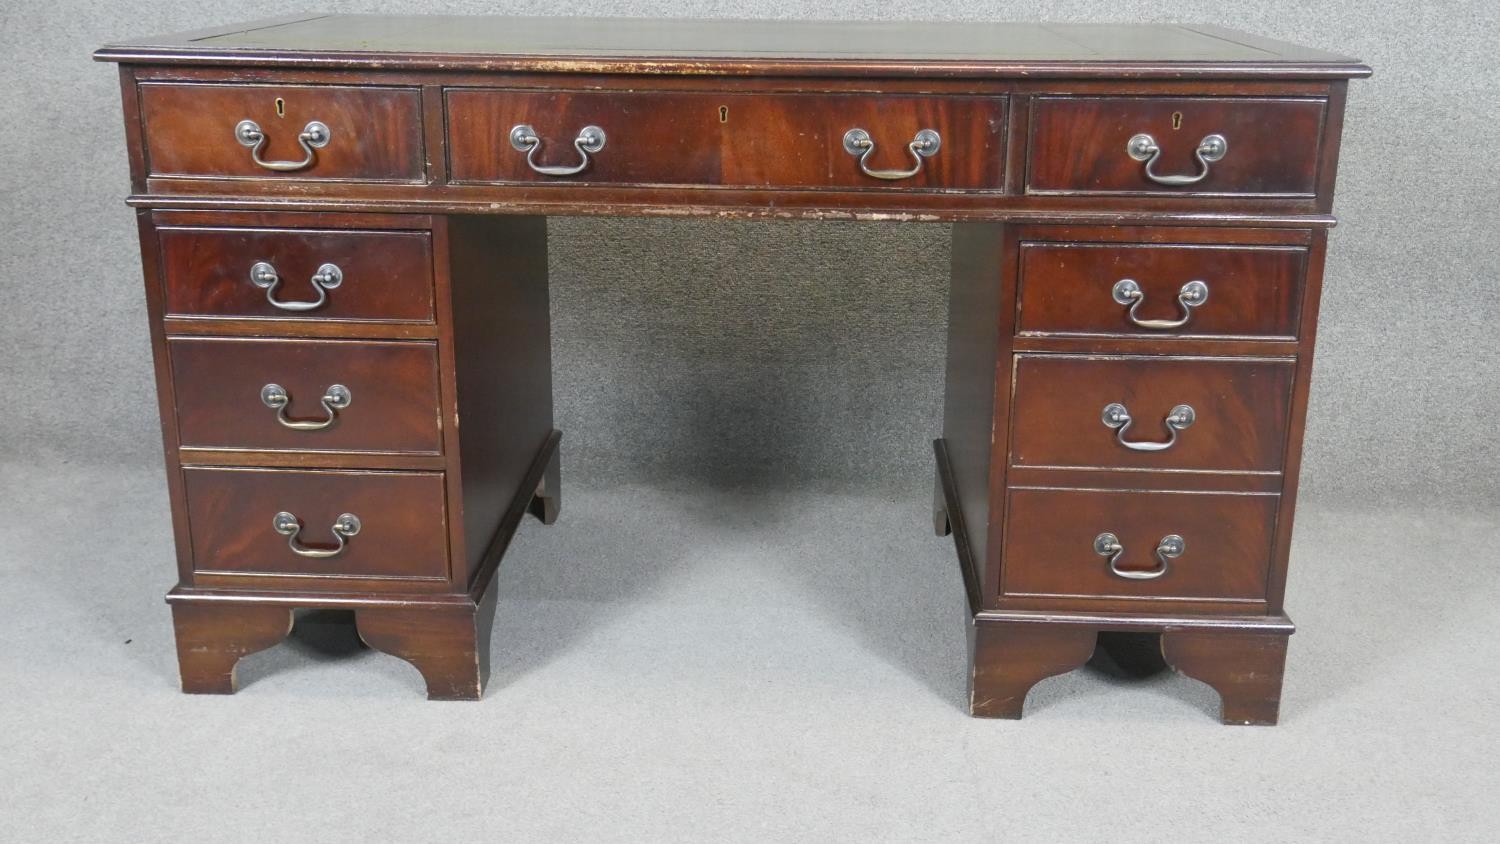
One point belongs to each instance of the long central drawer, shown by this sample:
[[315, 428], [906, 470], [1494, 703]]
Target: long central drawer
[[726, 139]]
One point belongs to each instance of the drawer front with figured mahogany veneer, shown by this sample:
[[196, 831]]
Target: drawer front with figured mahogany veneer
[[1232, 146], [248, 131], [297, 274], [1206, 414], [792, 141], [1160, 289], [317, 524], [1091, 543], [307, 395]]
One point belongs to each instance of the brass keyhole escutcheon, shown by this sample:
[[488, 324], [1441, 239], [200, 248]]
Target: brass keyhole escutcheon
[[723, 114], [1176, 120], [280, 107]]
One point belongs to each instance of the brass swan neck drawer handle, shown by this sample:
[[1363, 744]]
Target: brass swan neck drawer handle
[[925, 145], [1143, 147], [1108, 545], [325, 279], [525, 139], [1115, 416], [345, 526], [314, 136], [1128, 292], [335, 398]]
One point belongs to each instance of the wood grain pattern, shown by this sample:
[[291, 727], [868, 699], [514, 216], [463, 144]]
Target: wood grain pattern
[[1050, 535], [1008, 659], [724, 138], [404, 532], [450, 647], [1254, 291], [394, 390], [212, 639], [502, 338], [736, 120], [1078, 144], [1244, 668], [375, 132], [387, 274], [1241, 408], [975, 340]]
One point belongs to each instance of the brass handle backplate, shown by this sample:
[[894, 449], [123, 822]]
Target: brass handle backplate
[[345, 526], [313, 137]]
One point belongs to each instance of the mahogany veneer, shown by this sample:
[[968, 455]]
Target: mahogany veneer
[[1139, 225]]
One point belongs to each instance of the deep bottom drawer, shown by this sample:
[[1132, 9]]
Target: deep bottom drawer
[[233, 522], [1053, 544]]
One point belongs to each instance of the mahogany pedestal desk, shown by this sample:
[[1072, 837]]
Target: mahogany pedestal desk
[[343, 231]]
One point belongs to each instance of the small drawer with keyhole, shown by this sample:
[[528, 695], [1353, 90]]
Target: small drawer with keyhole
[[278, 132], [1200, 146]]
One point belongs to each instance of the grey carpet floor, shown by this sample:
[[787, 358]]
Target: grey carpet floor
[[693, 664]]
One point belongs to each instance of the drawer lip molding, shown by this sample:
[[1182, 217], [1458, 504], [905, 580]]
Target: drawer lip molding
[[374, 131], [727, 139], [387, 275], [1077, 145], [403, 531], [394, 405], [1049, 547], [1254, 291]]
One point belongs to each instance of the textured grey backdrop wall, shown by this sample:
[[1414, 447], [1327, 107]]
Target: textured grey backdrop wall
[[798, 351]]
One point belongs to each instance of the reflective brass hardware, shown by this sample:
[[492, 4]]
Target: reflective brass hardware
[[1116, 417], [335, 398], [1143, 147], [280, 107], [328, 276], [859, 143], [1108, 545], [1176, 120], [1128, 292], [525, 139], [345, 526], [723, 114], [314, 136]]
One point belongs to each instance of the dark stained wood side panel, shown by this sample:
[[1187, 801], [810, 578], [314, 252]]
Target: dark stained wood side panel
[[502, 340], [974, 335], [393, 389], [1078, 144], [403, 534], [1312, 300], [375, 133], [1254, 291], [1241, 407], [1049, 546], [387, 274], [726, 138]]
